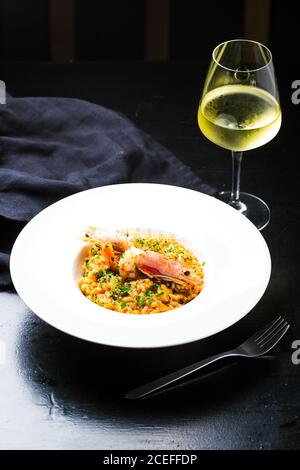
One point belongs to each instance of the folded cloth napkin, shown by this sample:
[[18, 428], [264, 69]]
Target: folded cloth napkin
[[54, 147]]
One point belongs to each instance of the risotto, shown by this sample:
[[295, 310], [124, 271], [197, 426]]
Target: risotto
[[140, 275]]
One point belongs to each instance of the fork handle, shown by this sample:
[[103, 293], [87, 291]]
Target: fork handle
[[157, 384]]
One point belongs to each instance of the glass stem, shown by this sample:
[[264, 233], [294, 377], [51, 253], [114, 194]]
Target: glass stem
[[236, 176]]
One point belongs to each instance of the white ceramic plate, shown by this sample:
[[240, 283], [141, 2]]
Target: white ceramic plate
[[237, 268]]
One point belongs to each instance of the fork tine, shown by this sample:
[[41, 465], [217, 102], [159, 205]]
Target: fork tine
[[271, 331], [273, 340], [266, 329]]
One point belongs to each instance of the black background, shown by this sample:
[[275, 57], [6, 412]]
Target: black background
[[115, 29], [60, 392]]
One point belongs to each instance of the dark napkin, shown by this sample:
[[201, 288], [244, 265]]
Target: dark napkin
[[54, 147]]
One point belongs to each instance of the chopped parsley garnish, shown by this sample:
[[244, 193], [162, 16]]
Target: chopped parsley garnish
[[149, 293], [125, 289], [123, 304], [110, 272], [141, 300], [159, 291], [154, 245], [114, 293], [204, 262], [100, 275], [118, 282]]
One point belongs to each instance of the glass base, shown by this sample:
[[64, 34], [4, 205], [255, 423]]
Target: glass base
[[254, 208]]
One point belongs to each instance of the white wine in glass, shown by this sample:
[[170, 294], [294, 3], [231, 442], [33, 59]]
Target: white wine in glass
[[239, 110]]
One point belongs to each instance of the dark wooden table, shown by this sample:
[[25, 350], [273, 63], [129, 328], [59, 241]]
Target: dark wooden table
[[58, 392]]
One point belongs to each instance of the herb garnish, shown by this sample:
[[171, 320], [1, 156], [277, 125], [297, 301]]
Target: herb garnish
[[141, 300], [99, 274], [125, 289]]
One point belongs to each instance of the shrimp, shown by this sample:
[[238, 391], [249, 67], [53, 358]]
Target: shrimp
[[134, 260], [128, 263], [108, 257], [156, 265], [119, 242]]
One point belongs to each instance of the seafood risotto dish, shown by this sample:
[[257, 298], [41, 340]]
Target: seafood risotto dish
[[138, 273]]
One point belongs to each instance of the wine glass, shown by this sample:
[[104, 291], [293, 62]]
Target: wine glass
[[239, 110]]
